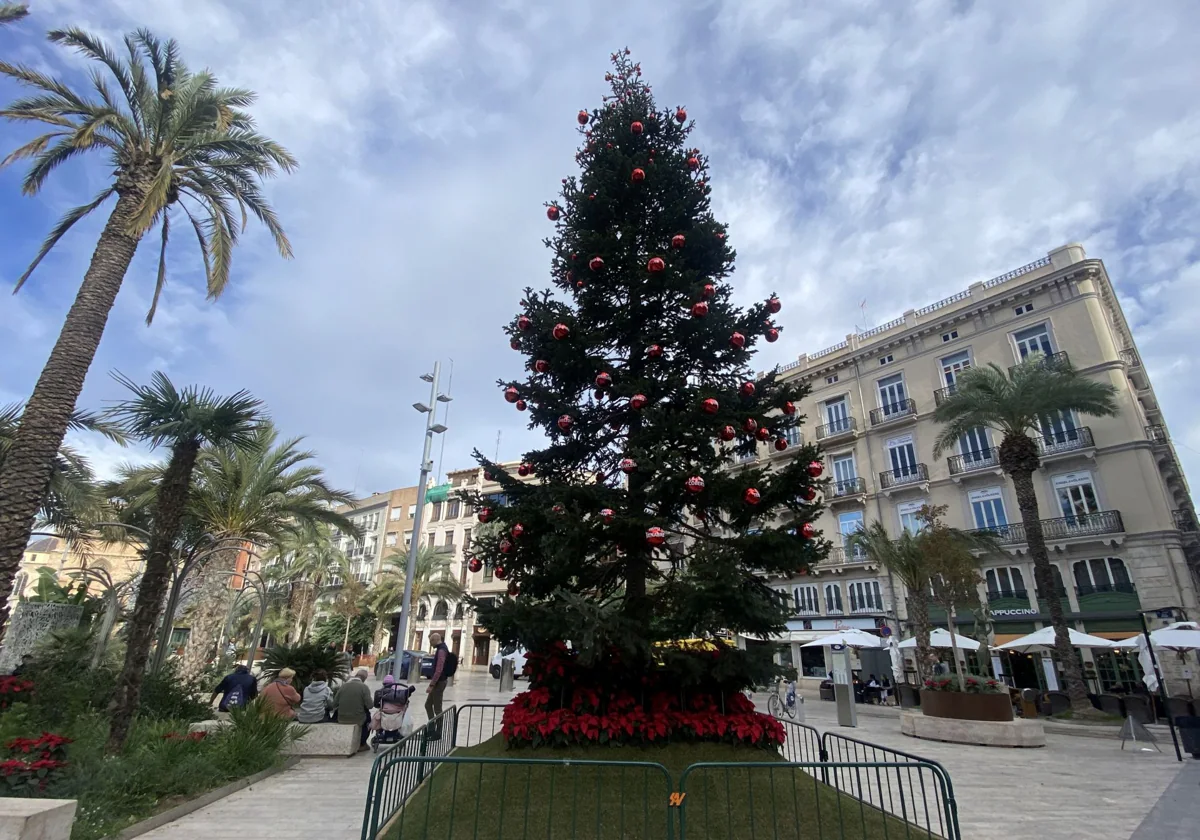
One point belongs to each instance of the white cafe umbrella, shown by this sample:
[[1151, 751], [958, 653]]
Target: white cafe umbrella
[[1043, 640], [940, 638], [893, 646], [850, 638], [1179, 637]]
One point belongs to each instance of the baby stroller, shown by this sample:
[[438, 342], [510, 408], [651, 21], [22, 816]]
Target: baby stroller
[[390, 721]]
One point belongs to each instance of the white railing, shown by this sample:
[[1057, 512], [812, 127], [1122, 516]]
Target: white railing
[[1017, 272], [954, 298], [882, 328], [841, 345]]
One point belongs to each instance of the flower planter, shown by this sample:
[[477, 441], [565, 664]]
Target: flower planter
[[963, 706]]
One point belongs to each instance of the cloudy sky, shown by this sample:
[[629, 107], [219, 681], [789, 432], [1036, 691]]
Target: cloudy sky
[[893, 152]]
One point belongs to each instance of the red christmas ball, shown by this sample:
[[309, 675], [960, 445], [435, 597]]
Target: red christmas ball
[[511, 394], [780, 444], [514, 344], [505, 546], [552, 213], [763, 433], [565, 422], [808, 494], [637, 402], [710, 406], [774, 305], [517, 530], [582, 116], [721, 237], [751, 496], [487, 476], [524, 470], [636, 127], [693, 163], [523, 323], [747, 389], [520, 404], [654, 351], [638, 175], [789, 408], [677, 240], [708, 291], [680, 115], [561, 331], [656, 535], [699, 309], [727, 433], [695, 484], [596, 263], [603, 379], [513, 590], [474, 564], [772, 335], [737, 340], [655, 265], [607, 515], [557, 509], [808, 530], [541, 366], [816, 468], [578, 284], [500, 572], [484, 515], [600, 476], [750, 426], [628, 465]]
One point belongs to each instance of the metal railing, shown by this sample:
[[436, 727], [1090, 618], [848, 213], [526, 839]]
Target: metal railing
[[895, 411], [845, 426], [1185, 520], [847, 487], [1064, 527], [1068, 440], [1130, 358], [979, 460], [475, 723], [840, 556], [899, 478], [400, 771], [1126, 587], [1157, 433], [941, 394], [1051, 361], [1001, 594]]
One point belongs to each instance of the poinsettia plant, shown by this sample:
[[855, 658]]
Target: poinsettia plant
[[971, 685], [36, 763], [13, 689]]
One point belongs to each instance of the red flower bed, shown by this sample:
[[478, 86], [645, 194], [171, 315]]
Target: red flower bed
[[45, 763], [13, 689]]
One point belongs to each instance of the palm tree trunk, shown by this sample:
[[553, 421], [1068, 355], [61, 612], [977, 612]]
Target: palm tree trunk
[[918, 616], [962, 683], [208, 614], [1048, 597], [346, 638], [169, 510], [27, 465]]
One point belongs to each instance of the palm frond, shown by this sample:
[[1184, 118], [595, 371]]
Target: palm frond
[[12, 12], [64, 224], [160, 413], [161, 280]]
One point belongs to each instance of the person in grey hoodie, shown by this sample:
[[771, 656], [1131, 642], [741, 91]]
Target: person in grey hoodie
[[317, 700]]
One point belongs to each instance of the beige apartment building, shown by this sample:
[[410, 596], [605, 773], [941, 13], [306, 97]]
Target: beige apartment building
[[1117, 514], [121, 562]]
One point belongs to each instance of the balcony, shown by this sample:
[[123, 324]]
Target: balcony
[[1052, 361], [982, 459], [847, 489], [866, 609], [940, 395], [894, 412], [1130, 358], [844, 427], [840, 556], [1064, 528], [892, 479], [1125, 587], [1156, 433], [995, 595], [1068, 440], [1185, 520]]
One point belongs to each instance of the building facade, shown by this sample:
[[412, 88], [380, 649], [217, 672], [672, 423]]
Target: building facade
[[121, 561], [1115, 506]]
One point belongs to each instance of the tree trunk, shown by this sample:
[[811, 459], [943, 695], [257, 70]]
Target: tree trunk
[[1048, 597], [26, 473], [208, 614], [962, 683], [168, 513], [346, 637], [918, 616]]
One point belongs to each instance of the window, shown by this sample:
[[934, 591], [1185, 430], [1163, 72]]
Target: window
[[422, 612], [412, 511], [833, 599], [886, 360], [952, 366], [394, 514], [865, 596], [987, 506], [1059, 428], [1103, 574], [466, 538], [458, 612], [436, 513], [1033, 341], [844, 474], [908, 515], [1023, 308], [449, 538], [829, 380], [976, 446], [1076, 494], [1005, 582], [429, 539], [950, 336], [453, 509], [837, 415], [849, 523], [902, 456], [804, 599], [792, 436], [892, 395], [487, 573], [441, 612], [407, 538]]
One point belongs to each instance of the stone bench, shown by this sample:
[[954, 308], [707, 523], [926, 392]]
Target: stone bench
[[985, 733], [36, 819], [317, 739]]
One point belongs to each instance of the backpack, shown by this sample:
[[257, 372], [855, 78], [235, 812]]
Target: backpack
[[451, 663]]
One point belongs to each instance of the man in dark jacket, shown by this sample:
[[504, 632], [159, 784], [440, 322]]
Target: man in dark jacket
[[354, 703], [236, 690], [441, 674]]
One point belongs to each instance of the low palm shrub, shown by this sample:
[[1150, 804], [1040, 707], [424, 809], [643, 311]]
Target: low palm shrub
[[304, 659]]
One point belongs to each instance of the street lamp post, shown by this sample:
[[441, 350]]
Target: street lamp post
[[432, 427]]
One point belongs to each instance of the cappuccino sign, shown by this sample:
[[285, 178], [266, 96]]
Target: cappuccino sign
[[1025, 611]]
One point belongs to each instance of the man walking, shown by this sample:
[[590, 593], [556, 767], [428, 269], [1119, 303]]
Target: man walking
[[354, 703], [236, 690], [445, 664]]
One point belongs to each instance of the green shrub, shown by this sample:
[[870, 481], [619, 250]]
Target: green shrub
[[304, 659]]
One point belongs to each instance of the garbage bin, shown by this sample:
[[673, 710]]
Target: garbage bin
[[1189, 734], [910, 698], [1029, 703]]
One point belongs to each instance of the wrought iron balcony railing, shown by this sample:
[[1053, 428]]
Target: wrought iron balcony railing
[[848, 487], [1095, 588], [1002, 594], [893, 412], [843, 426], [900, 477], [979, 460], [1157, 433], [1130, 357], [840, 556], [1067, 440], [1053, 361], [1064, 527], [939, 396], [1185, 520]]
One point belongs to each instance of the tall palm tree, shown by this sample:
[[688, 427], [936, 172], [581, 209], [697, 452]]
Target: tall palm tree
[[184, 419], [12, 12], [432, 580], [1019, 406], [175, 141], [307, 563]]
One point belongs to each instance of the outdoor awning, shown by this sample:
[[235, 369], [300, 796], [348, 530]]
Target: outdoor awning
[[787, 637]]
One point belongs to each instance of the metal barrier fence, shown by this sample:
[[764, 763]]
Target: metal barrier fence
[[802, 743], [401, 769], [476, 723]]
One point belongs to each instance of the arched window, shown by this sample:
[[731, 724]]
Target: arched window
[[458, 612], [441, 612], [422, 612], [833, 599], [1102, 574], [1005, 582]]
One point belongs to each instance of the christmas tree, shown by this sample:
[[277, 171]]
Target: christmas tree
[[641, 526]]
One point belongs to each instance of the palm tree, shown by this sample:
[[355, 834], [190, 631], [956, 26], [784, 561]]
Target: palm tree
[[432, 581], [171, 135], [12, 12], [1025, 401], [162, 414], [307, 562]]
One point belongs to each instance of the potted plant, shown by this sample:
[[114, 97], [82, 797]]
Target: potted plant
[[977, 699]]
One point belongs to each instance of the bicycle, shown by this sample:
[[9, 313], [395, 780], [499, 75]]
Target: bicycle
[[790, 705]]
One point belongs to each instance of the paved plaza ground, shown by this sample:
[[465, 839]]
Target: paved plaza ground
[[1074, 787]]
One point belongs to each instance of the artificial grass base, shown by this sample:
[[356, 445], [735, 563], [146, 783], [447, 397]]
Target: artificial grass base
[[507, 794]]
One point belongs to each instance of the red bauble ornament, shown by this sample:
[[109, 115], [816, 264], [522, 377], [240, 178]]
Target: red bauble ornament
[[603, 379], [511, 394], [780, 444], [578, 284], [680, 115], [654, 351], [513, 590], [636, 127], [751, 496], [772, 335], [816, 468], [600, 476], [737, 340], [484, 515], [727, 433], [541, 366], [500, 572], [557, 509], [514, 344], [638, 175], [517, 530], [655, 265], [721, 237], [596, 263], [582, 116], [637, 402], [552, 213], [695, 484], [565, 423], [808, 530], [763, 433], [693, 163], [700, 309], [487, 476], [656, 536], [789, 408], [524, 470], [808, 494], [474, 564], [774, 305], [708, 291], [607, 515], [710, 406], [628, 465], [523, 323], [561, 331], [747, 389], [520, 405], [750, 426]]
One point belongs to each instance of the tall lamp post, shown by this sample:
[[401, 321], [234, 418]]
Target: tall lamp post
[[432, 427]]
